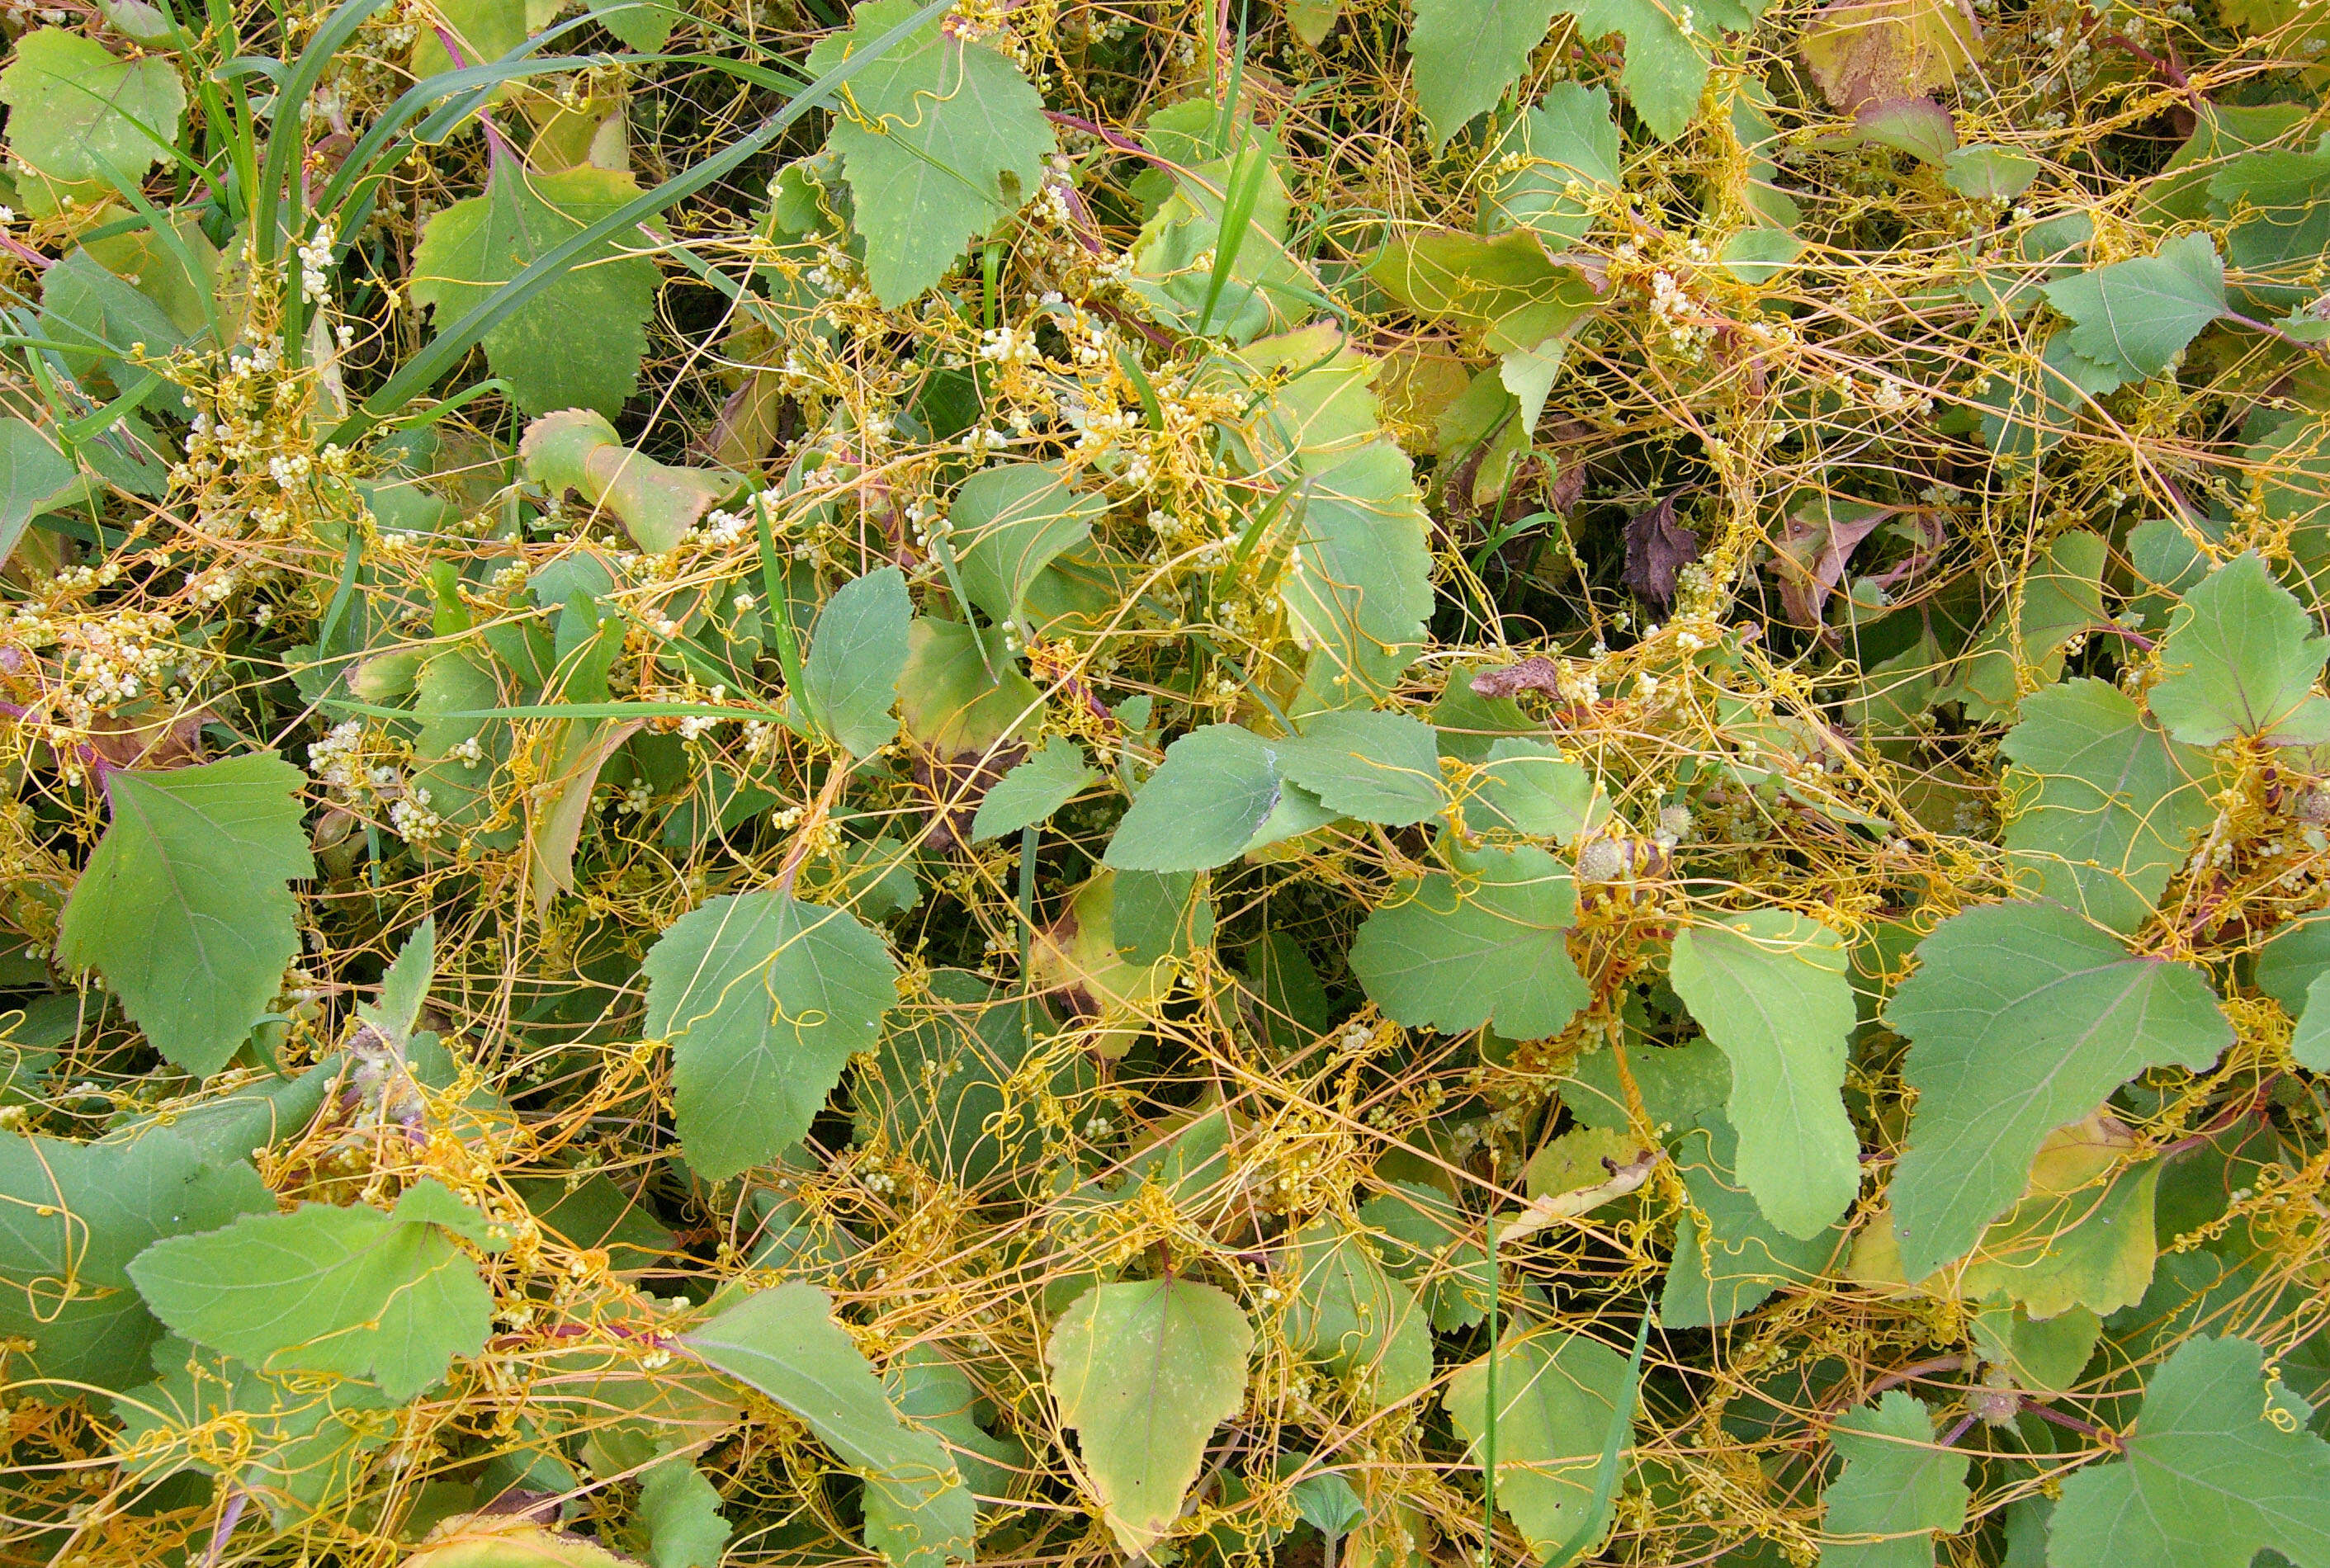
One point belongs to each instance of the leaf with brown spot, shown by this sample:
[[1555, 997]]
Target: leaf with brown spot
[[1866, 52]]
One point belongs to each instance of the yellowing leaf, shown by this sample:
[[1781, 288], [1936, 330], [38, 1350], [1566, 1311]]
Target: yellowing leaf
[[1144, 1371], [577, 449], [1867, 52], [2081, 1237], [505, 1541], [1509, 289], [554, 816]]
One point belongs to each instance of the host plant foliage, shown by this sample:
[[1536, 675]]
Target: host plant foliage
[[1207, 782]]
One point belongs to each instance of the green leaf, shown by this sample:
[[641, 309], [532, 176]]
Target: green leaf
[[1010, 522], [2309, 1044], [1349, 1313], [1425, 1240], [358, 1291], [1897, 1484], [1770, 990], [1358, 587], [2242, 656], [2220, 1465], [34, 477], [1454, 953], [2045, 1355], [646, 26], [2029, 409], [1144, 1371], [2292, 958], [1728, 1259], [1377, 767], [1328, 1504], [1056, 774], [577, 343], [1557, 1397], [763, 999], [301, 1444], [183, 907], [938, 1394], [1557, 164], [2022, 1018], [1756, 256], [1213, 259], [84, 119], [849, 681], [405, 986], [2104, 802], [785, 1343], [65, 1279], [577, 449], [1990, 174], [941, 140], [1529, 787], [1468, 52], [481, 30], [2137, 316], [1203, 806], [2058, 597], [936, 1089], [2283, 199], [681, 1510], [1666, 58], [84, 304]]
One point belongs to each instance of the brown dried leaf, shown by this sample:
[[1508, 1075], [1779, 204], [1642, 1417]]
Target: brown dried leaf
[[1865, 52], [955, 782], [1814, 550], [1535, 673], [1658, 547], [173, 742]]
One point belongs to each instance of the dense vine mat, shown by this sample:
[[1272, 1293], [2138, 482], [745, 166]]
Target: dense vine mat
[[1205, 782]]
